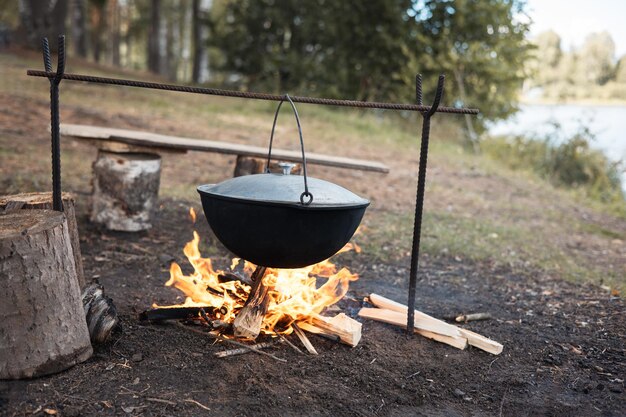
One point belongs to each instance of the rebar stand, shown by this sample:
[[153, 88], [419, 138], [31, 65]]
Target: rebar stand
[[425, 111]]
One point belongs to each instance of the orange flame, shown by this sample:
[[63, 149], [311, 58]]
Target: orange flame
[[192, 214], [294, 295]]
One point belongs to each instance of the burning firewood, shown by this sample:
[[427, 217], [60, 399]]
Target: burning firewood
[[173, 313], [395, 313], [248, 322]]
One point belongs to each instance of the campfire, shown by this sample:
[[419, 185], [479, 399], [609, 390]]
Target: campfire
[[247, 300]]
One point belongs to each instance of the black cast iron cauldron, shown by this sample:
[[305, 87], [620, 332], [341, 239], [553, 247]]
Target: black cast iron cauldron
[[268, 220]]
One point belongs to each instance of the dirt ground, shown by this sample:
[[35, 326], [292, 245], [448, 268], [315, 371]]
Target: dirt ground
[[563, 346]]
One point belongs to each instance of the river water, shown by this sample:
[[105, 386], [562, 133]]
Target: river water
[[607, 123]]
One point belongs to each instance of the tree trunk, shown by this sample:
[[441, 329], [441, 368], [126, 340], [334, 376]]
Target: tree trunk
[[200, 36], [43, 201], [154, 37], [79, 27], [114, 30], [471, 133], [98, 24], [125, 190], [42, 18], [173, 48], [37, 271]]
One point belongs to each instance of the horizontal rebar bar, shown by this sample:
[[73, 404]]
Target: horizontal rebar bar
[[245, 94]]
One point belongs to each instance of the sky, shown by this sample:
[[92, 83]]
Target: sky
[[573, 20]]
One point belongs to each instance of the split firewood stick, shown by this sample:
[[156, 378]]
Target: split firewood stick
[[348, 329], [399, 319], [241, 351], [308, 327], [457, 342], [285, 340], [474, 339], [248, 322], [422, 321], [305, 340], [481, 342], [472, 317]]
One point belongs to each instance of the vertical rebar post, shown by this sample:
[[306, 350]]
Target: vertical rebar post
[[57, 200], [419, 204]]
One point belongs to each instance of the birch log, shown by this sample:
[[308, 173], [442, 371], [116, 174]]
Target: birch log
[[125, 190], [43, 201], [37, 271]]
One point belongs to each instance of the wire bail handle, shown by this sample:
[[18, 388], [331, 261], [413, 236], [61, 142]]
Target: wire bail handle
[[306, 194]]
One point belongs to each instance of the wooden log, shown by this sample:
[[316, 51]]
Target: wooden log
[[473, 339], [37, 271], [125, 190], [247, 165], [248, 322], [399, 319], [422, 321], [43, 201]]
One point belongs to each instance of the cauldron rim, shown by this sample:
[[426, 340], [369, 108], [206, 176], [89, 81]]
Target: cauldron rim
[[204, 190]]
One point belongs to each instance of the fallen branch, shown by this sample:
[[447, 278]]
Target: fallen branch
[[464, 318], [189, 400], [232, 342], [241, 351]]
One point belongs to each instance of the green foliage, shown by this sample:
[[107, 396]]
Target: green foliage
[[335, 48], [372, 50], [481, 45], [565, 161]]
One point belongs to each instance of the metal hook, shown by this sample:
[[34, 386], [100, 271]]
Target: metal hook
[[60, 59], [438, 95]]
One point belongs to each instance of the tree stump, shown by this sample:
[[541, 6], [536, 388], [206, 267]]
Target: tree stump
[[125, 190], [42, 323], [43, 201], [247, 165]]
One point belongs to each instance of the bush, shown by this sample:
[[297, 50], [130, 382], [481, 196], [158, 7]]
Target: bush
[[565, 161]]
